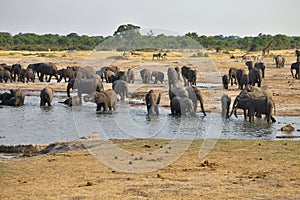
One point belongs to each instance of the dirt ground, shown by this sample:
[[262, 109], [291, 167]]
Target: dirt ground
[[233, 169]]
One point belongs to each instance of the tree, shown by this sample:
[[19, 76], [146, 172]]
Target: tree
[[129, 31]]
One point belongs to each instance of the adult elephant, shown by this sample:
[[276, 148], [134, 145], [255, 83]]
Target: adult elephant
[[189, 75], [106, 100], [232, 75], [195, 95], [85, 86], [87, 72], [279, 60], [184, 74], [130, 75], [172, 77], [6, 76], [67, 74], [46, 96], [182, 106], [225, 81], [225, 104], [121, 88], [145, 75], [16, 72], [44, 69], [16, 99], [242, 78], [158, 76], [262, 105], [152, 102], [260, 66], [71, 101], [295, 67], [29, 75], [255, 77]]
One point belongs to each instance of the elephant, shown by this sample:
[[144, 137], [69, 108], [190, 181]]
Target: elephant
[[109, 76], [195, 95], [29, 75], [178, 72], [279, 60], [249, 64], [172, 77], [5, 96], [182, 106], [232, 75], [16, 71], [158, 76], [87, 72], [7, 76], [225, 103], [67, 73], [177, 92], [295, 66], [86, 86], [146, 75], [71, 101], [106, 99], [17, 98], [262, 105], [241, 77], [225, 81], [152, 101], [121, 88], [260, 66], [44, 69], [297, 53], [130, 76], [46, 96], [189, 75], [255, 77], [22, 75]]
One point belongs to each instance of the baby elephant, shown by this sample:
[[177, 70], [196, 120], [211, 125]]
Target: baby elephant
[[46, 96], [106, 100]]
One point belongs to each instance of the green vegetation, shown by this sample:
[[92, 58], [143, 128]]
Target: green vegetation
[[128, 37]]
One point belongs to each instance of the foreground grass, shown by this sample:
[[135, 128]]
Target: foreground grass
[[234, 169]]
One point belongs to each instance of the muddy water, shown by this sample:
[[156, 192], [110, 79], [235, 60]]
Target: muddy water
[[41, 125]]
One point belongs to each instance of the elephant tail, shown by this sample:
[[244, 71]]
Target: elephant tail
[[158, 99]]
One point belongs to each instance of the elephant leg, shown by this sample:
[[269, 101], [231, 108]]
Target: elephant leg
[[202, 109], [156, 109], [273, 119], [98, 107], [49, 78], [42, 103]]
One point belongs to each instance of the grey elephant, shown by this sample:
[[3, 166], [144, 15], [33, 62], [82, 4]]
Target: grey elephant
[[44, 69], [145, 75], [232, 75], [87, 72], [6, 76], [46, 96], [249, 64], [67, 74], [121, 88], [29, 75], [172, 77], [130, 75], [195, 95], [255, 77], [295, 67], [242, 78], [225, 104], [16, 72], [262, 105], [182, 106], [279, 60], [158, 76], [152, 102], [17, 98], [225, 81], [260, 66], [84, 86], [106, 100], [71, 101]]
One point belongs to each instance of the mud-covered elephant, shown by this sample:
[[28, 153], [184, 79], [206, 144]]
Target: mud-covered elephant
[[158, 76], [44, 69], [260, 66], [195, 95], [130, 76], [262, 105], [29, 75], [145, 75], [242, 78], [295, 67], [84, 86], [232, 75], [254, 77], [225, 104], [17, 98], [6, 75], [16, 72], [106, 100], [71, 101], [279, 60], [225, 81], [172, 77], [182, 106], [46, 96], [121, 88], [152, 101], [67, 73]]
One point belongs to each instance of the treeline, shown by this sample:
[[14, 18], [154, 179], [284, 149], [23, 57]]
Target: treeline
[[134, 40]]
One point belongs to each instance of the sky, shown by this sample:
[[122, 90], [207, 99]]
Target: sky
[[102, 18]]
